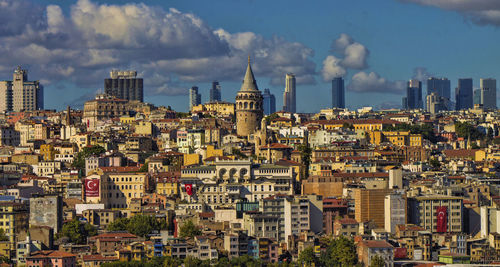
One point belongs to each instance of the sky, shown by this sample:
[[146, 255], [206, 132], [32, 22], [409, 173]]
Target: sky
[[71, 46]]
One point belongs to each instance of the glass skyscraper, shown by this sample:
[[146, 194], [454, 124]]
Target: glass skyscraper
[[338, 93], [269, 102], [440, 86], [215, 92], [194, 97], [489, 93], [413, 95], [464, 95]]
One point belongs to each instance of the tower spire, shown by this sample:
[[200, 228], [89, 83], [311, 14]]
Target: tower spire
[[249, 82]]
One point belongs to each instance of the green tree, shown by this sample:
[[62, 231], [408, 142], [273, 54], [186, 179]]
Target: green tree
[[77, 232], [467, 130], [307, 257], [144, 168], [340, 252], [434, 163], [191, 261], [140, 225], [189, 229], [377, 261], [79, 161], [3, 236], [305, 155]]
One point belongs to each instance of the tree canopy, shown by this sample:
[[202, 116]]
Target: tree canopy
[[77, 232], [79, 161], [189, 229], [340, 252], [377, 261], [140, 225]]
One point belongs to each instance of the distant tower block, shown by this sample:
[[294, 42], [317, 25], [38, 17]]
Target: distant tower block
[[395, 178], [249, 105]]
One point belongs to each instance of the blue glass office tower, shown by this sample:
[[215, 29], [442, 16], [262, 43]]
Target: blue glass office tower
[[464, 96], [338, 93], [413, 95], [269, 102], [215, 92]]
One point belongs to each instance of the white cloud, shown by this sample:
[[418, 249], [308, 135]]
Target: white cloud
[[352, 55], [363, 82], [478, 11], [332, 69], [82, 46], [421, 74]]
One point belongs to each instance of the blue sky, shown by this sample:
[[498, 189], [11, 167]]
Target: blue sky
[[441, 38]]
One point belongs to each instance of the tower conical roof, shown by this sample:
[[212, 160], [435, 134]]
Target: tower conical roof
[[249, 82]]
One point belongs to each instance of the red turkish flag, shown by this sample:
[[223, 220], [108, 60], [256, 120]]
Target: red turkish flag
[[442, 219], [91, 187], [189, 189]]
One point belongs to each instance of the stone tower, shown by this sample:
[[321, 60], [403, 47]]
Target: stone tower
[[249, 107]]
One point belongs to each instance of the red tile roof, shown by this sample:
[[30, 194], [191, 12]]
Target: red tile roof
[[375, 244], [50, 254]]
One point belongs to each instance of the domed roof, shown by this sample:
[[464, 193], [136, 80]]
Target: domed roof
[[249, 82]]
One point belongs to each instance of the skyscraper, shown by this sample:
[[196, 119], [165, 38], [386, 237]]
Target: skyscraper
[[338, 93], [440, 86], [21, 94], [289, 96], [489, 93], [414, 94], [194, 97], [269, 102], [476, 99], [464, 94], [435, 103], [124, 85], [215, 92]]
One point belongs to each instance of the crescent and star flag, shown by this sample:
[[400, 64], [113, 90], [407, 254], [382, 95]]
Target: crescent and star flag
[[189, 189], [91, 187], [442, 219]]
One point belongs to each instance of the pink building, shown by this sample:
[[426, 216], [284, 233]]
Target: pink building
[[44, 258]]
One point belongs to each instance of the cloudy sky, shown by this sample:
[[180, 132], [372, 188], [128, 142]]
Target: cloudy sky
[[71, 45]]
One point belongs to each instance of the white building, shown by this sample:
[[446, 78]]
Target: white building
[[394, 211]]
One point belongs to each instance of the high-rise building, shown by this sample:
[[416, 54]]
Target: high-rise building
[[194, 97], [289, 96], [435, 103], [489, 93], [369, 205], [440, 86], [464, 94], [269, 102], [248, 105], [476, 98], [338, 93], [124, 85], [395, 210], [215, 92], [413, 95], [21, 94]]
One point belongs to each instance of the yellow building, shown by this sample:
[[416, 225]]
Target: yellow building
[[127, 119], [398, 138], [168, 186], [223, 109], [143, 128], [48, 152], [212, 152], [14, 221], [191, 159], [5, 249], [369, 205], [80, 140]]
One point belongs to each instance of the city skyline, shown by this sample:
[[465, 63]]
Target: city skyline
[[62, 46]]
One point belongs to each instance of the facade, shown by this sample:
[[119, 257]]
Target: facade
[[369, 205], [395, 211], [413, 95], [338, 93], [440, 86], [102, 108], [435, 103], [46, 211], [51, 258], [194, 97], [476, 98], [368, 249], [215, 92], [14, 217], [249, 102], [124, 85], [228, 181], [464, 94], [436, 213], [269, 102], [21, 94], [488, 93], [9, 136], [289, 96]]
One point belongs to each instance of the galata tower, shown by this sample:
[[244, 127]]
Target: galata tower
[[249, 108]]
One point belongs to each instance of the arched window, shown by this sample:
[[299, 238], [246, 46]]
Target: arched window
[[251, 105], [246, 105]]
